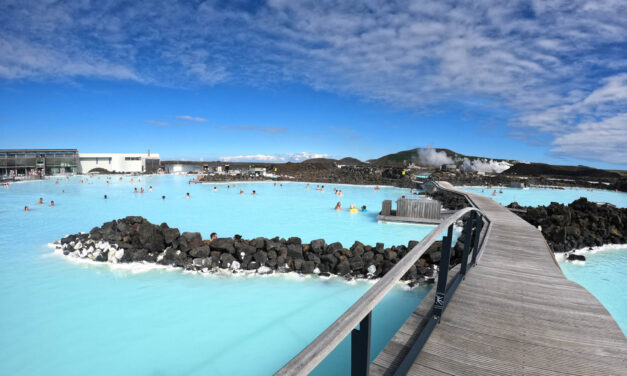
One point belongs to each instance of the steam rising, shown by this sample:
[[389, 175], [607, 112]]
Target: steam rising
[[484, 165], [429, 157]]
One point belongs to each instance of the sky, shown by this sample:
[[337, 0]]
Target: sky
[[279, 80]]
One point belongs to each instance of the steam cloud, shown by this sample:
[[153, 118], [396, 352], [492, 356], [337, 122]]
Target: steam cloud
[[483, 165], [429, 157]]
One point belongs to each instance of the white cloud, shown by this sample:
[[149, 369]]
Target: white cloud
[[252, 128], [276, 158], [192, 118], [157, 123], [603, 140], [553, 65]]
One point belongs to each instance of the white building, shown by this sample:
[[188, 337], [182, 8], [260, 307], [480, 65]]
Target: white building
[[119, 162]]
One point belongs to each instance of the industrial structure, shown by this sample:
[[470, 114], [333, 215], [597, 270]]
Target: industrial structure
[[25, 162], [119, 162], [41, 162]]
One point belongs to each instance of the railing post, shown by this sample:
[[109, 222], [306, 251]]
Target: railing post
[[467, 240], [475, 249], [445, 259], [360, 347]]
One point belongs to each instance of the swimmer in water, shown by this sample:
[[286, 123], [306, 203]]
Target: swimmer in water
[[363, 209], [241, 191], [142, 190], [63, 191], [150, 188], [41, 201], [376, 188], [307, 187], [254, 193], [135, 191], [187, 195], [51, 203], [322, 189], [494, 193], [105, 197], [26, 208], [501, 190], [163, 197], [215, 189], [338, 206], [107, 182]]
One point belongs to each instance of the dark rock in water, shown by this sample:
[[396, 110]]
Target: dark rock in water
[[95, 233], [190, 240], [295, 251], [574, 257], [170, 235], [379, 248], [294, 240], [226, 260], [200, 252], [343, 268], [333, 247], [261, 257], [308, 267], [223, 245], [412, 244], [318, 245], [133, 239]]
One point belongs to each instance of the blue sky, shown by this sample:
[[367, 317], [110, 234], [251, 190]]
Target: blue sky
[[286, 80]]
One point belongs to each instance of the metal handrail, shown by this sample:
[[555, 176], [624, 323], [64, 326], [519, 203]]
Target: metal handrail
[[360, 312]]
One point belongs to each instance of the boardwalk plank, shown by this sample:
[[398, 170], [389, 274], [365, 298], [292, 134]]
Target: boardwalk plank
[[515, 314]]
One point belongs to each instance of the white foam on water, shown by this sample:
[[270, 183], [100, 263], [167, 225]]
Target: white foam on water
[[605, 247]]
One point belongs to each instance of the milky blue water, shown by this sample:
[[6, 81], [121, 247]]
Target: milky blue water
[[604, 274], [62, 318], [544, 196]]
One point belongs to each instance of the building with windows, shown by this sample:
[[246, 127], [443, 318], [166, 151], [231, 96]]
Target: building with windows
[[24, 162], [119, 162]]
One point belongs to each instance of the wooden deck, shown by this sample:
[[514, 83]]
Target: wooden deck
[[514, 314]]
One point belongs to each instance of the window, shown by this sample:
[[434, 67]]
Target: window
[[132, 158]]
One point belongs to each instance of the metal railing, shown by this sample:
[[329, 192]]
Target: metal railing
[[360, 313]]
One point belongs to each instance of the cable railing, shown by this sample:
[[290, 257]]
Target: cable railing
[[360, 313]]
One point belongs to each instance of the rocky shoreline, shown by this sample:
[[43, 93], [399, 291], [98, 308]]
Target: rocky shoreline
[[134, 239], [580, 224]]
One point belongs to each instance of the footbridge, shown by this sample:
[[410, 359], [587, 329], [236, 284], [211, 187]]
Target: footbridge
[[507, 309]]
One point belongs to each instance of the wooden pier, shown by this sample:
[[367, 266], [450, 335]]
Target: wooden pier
[[514, 314], [507, 309]]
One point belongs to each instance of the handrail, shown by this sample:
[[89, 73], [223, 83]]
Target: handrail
[[360, 312]]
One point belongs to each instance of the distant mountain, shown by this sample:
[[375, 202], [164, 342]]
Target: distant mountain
[[409, 156], [543, 169], [350, 161], [320, 160]]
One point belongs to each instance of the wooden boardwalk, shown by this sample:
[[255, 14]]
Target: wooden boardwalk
[[514, 314]]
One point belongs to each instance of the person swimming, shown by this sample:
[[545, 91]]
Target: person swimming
[[150, 188], [41, 201], [494, 193], [26, 208], [241, 191], [51, 203], [254, 193], [135, 191], [322, 188], [142, 190], [187, 195], [63, 191], [307, 186], [163, 197], [501, 190], [363, 209], [352, 209], [338, 206], [215, 189], [105, 197], [376, 188]]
